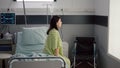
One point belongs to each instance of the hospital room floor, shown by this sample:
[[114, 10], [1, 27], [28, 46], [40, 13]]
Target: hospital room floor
[[84, 65]]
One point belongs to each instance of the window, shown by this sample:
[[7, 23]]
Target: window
[[37, 0], [114, 28]]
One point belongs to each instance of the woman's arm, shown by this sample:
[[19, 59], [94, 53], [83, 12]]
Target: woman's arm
[[54, 41], [56, 53]]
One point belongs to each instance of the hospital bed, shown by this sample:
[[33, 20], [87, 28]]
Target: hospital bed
[[29, 47]]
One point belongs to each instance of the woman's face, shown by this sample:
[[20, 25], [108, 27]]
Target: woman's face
[[59, 23]]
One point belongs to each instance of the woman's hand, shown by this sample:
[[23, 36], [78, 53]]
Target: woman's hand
[[56, 52]]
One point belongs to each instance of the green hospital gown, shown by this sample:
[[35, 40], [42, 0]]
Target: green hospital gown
[[54, 41]]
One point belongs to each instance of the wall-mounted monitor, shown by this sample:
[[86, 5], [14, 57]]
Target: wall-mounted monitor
[[7, 18]]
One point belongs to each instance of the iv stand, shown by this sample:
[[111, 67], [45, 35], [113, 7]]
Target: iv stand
[[24, 12]]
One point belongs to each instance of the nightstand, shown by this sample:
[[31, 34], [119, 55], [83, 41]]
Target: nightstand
[[6, 50], [6, 46], [3, 57]]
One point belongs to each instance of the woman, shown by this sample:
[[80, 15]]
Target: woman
[[53, 45]]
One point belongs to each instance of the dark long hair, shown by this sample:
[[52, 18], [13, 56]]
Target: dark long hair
[[53, 23]]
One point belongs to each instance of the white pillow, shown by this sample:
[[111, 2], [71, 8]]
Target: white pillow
[[27, 50], [34, 35]]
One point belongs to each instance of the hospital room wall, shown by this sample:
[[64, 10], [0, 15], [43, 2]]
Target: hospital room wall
[[80, 8], [101, 33]]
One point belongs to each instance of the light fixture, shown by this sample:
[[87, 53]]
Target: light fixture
[[38, 0]]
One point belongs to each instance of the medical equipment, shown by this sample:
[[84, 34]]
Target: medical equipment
[[7, 18], [85, 51]]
